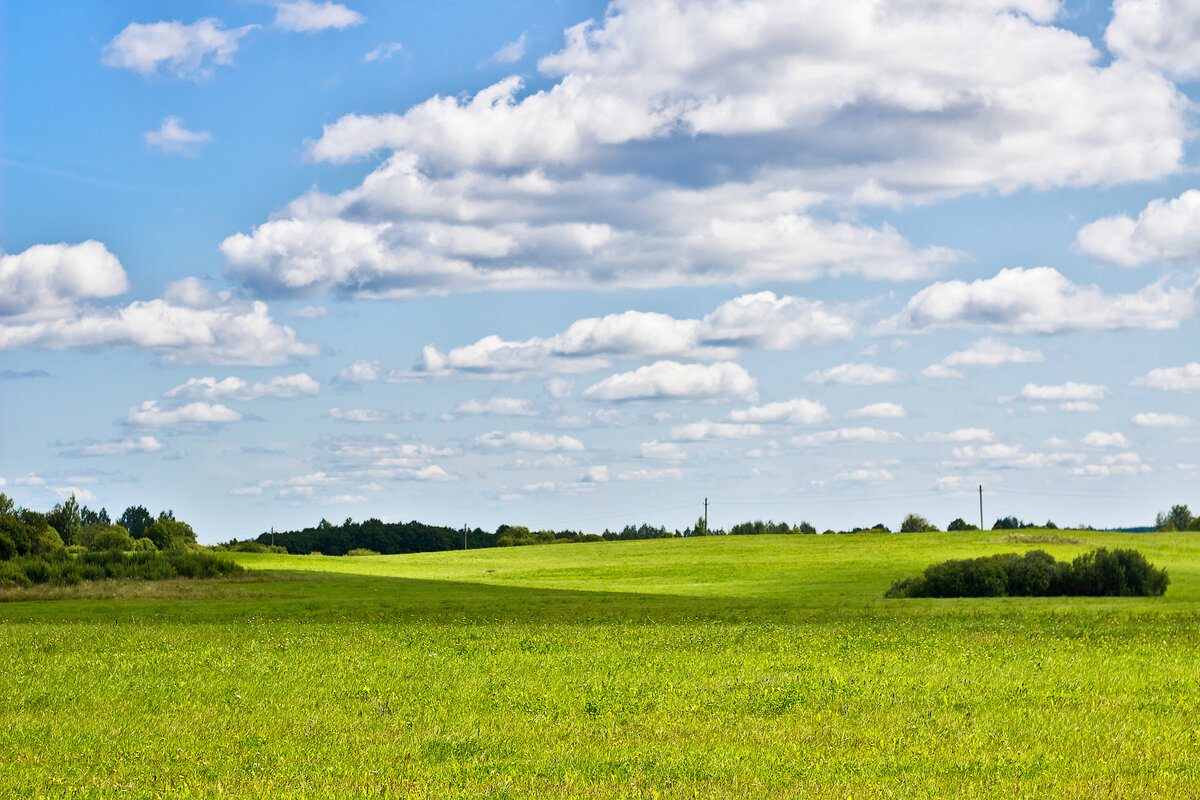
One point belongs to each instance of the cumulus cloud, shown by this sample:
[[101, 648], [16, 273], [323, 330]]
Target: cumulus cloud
[[799, 410], [1172, 379], [1105, 439], [865, 475], [498, 406], [1013, 456], [705, 430], [232, 388], [82, 495], [670, 380], [666, 451], [231, 334], [142, 444], [1064, 391], [1119, 464], [47, 278], [1040, 300], [368, 415], [855, 375], [917, 81], [881, 410], [1161, 34], [356, 460], [986, 352], [863, 434], [188, 51], [307, 16], [198, 414], [1079, 406], [959, 435], [1166, 230], [1150, 419], [760, 320], [668, 474], [528, 440], [172, 137]]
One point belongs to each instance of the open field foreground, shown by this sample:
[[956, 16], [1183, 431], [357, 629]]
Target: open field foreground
[[723, 667]]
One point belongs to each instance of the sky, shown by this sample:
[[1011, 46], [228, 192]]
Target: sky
[[581, 265]]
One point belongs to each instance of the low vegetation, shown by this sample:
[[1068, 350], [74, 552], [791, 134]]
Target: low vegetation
[[1099, 573]]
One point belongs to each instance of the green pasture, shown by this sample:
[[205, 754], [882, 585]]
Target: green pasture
[[724, 667]]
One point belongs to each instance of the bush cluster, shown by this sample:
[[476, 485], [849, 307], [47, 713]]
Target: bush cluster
[[63, 568], [1099, 573]]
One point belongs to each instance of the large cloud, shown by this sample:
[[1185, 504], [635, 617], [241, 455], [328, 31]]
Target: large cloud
[[234, 388], [189, 51], [761, 320], [1165, 230], [944, 97], [309, 16], [1172, 379], [50, 277], [709, 158], [1164, 34], [150, 415], [1040, 300]]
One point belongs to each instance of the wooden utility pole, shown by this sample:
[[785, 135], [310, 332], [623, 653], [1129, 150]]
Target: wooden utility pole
[[981, 507], [706, 516], [464, 537], [272, 536]]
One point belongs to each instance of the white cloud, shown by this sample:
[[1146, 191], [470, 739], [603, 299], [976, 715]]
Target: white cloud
[[246, 491], [986, 352], [668, 474], [1119, 464], [382, 51], [798, 410], [670, 380], [150, 415], [234, 334], [30, 479], [959, 435], [308, 16], [1040, 300], [172, 137], [512, 52], [881, 410], [311, 312], [1013, 456], [359, 459], [760, 320], [855, 375], [50, 277], [862, 434], [1157, 420], [865, 475], [82, 495], [232, 388], [528, 440], [666, 451], [954, 97], [1162, 34], [1104, 439], [594, 475], [188, 51], [1079, 406], [142, 444], [1166, 230], [705, 430], [1172, 379], [365, 415], [1064, 391], [500, 406]]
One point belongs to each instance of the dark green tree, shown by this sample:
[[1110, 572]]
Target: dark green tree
[[66, 519], [169, 534], [915, 523], [135, 519]]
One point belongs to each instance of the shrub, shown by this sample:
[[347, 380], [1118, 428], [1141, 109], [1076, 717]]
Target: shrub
[[114, 537], [11, 574], [76, 549], [362, 551], [915, 523], [250, 547], [1099, 573], [961, 524], [144, 545]]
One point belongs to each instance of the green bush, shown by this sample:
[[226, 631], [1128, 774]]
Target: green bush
[[114, 537], [61, 568], [362, 551], [1099, 573], [144, 545]]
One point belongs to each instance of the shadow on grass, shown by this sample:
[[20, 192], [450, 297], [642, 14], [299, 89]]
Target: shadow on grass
[[326, 597]]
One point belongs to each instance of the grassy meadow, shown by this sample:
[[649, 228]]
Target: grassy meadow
[[756, 666]]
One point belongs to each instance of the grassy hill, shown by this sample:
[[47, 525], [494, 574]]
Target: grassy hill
[[724, 667]]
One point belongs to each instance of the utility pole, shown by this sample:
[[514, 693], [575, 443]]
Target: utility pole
[[981, 507], [464, 536], [272, 536], [706, 516]]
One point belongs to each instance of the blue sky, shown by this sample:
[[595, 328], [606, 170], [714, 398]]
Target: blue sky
[[584, 264]]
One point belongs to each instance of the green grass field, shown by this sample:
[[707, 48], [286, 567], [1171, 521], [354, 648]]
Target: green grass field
[[722, 667]]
